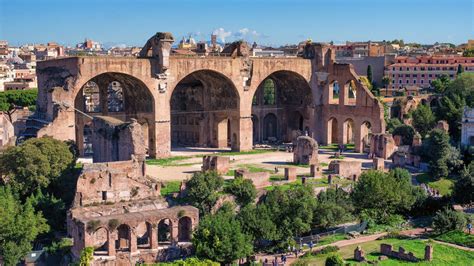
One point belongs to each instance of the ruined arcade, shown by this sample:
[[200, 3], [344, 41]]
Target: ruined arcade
[[230, 100]]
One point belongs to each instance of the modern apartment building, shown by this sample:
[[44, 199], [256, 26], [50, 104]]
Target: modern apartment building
[[420, 71]]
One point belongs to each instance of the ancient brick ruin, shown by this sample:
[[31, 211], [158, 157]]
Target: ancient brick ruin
[[118, 210], [346, 168], [305, 151], [259, 179], [220, 164], [388, 251], [215, 101]]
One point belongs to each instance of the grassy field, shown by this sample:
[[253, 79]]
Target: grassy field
[[171, 161], [442, 254], [444, 186], [458, 238], [330, 239], [170, 187]]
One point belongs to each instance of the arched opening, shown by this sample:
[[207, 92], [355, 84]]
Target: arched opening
[[143, 232], [348, 137], [91, 96], [205, 111], [115, 97], [87, 141], [123, 238], [184, 229], [334, 92], [350, 93], [270, 126], [282, 104], [101, 241], [332, 131], [164, 232], [118, 95], [365, 133]]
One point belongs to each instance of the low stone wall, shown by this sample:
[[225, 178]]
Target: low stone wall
[[347, 169], [401, 254], [259, 179]]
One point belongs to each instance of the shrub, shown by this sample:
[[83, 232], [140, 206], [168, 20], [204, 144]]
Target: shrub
[[329, 249], [447, 220], [334, 260], [406, 132]]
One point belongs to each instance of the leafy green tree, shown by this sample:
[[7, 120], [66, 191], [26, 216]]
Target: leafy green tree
[[292, 210], [11, 100], [393, 123], [219, 237], [19, 226], [53, 209], [380, 195], [35, 164], [334, 260], [407, 133], [441, 83], [256, 221], [458, 94], [334, 206], [464, 187], [447, 220], [423, 119], [203, 190], [437, 150], [243, 189]]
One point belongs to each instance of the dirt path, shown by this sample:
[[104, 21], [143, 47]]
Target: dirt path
[[454, 245]]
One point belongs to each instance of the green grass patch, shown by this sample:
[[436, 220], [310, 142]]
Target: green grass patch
[[331, 239], [233, 153], [231, 172], [442, 254], [458, 238], [335, 146], [444, 186], [252, 168], [170, 187], [170, 161], [277, 178], [324, 164]]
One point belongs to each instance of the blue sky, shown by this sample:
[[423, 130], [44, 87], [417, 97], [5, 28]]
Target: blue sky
[[272, 22]]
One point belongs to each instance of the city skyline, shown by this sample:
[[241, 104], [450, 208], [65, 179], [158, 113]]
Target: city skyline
[[270, 23]]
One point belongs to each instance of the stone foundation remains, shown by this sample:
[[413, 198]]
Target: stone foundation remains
[[305, 151], [220, 164], [345, 168], [259, 179]]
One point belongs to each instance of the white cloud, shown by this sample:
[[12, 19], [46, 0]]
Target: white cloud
[[222, 34]]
